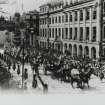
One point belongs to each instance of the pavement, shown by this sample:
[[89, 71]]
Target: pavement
[[54, 86]]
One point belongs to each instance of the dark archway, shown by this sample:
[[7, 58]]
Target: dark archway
[[93, 52], [70, 49], [75, 50], [80, 51], [86, 51]]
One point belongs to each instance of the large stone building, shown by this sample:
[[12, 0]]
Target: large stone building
[[17, 33], [27, 27], [31, 20], [73, 26]]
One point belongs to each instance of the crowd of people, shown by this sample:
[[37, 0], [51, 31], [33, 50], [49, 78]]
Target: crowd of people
[[15, 62], [59, 65]]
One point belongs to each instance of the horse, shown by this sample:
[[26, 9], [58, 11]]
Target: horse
[[101, 76], [86, 75], [75, 77]]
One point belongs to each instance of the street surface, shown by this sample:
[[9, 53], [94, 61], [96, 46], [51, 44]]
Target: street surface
[[54, 86]]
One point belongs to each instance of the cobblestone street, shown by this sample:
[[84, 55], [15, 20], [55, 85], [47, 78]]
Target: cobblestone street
[[54, 86]]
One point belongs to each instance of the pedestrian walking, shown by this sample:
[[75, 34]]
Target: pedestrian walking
[[9, 67], [36, 65], [14, 66], [34, 82], [18, 69], [9, 64], [26, 74]]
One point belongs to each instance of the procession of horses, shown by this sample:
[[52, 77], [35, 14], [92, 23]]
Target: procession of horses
[[73, 71], [65, 68]]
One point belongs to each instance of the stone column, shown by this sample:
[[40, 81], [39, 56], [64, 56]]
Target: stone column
[[98, 28], [30, 39], [91, 16], [78, 34], [51, 32], [73, 32], [84, 24], [34, 40], [90, 55], [72, 50]]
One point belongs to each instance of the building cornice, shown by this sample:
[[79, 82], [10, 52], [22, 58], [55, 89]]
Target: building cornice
[[74, 6], [78, 3], [53, 12]]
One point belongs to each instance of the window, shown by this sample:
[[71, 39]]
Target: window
[[81, 33], [81, 15], [59, 19], [40, 9], [59, 6], [43, 9], [71, 17], [45, 32], [104, 52], [55, 19], [70, 33], [49, 20], [40, 34], [66, 17], [53, 33], [75, 36], [59, 32], [87, 33], [52, 20], [50, 32], [44, 21], [87, 14], [63, 19], [66, 33], [94, 14], [40, 22], [76, 15], [62, 33], [94, 34], [104, 6]]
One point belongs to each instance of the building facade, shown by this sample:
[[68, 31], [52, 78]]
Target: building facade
[[31, 20], [17, 33], [73, 26]]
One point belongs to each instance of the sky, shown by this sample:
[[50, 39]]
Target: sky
[[16, 6]]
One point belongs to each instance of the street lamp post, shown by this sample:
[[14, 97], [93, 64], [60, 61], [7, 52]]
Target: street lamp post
[[101, 30], [22, 32]]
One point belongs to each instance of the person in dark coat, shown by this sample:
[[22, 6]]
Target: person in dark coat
[[36, 65], [26, 74], [34, 82], [18, 70], [9, 64], [14, 66]]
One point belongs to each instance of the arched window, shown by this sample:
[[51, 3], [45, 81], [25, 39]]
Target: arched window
[[86, 51], [65, 47], [75, 50], [80, 51], [70, 49], [93, 52]]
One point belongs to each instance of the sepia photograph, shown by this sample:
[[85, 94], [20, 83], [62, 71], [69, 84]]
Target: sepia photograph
[[52, 47]]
